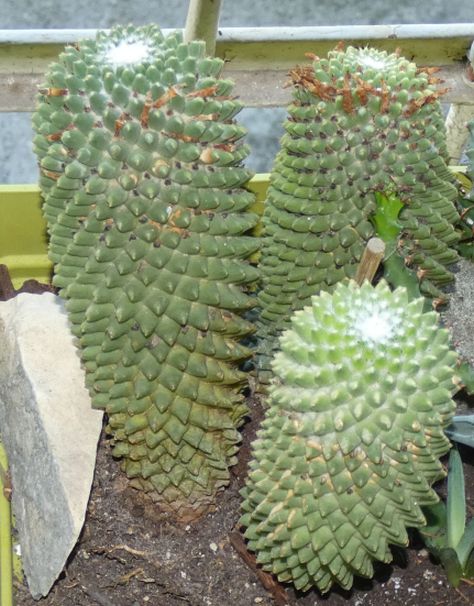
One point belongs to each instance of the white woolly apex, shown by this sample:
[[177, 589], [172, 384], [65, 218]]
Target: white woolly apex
[[375, 324], [373, 62], [127, 52]]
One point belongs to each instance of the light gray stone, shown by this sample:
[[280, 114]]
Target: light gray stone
[[49, 430], [459, 316]]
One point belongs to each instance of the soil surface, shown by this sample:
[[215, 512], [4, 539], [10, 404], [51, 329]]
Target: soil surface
[[131, 554]]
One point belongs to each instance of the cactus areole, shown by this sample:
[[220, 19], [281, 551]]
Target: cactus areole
[[362, 121], [350, 445], [141, 171]]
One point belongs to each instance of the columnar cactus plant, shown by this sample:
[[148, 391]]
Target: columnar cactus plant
[[362, 122], [349, 448], [141, 163]]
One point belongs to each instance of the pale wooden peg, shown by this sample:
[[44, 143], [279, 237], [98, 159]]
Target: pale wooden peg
[[371, 259]]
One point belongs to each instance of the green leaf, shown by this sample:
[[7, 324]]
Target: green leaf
[[464, 181], [466, 250], [451, 564], [466, 545], [398, 274], [386, 215], [434, 533], [466, 372], [465, 208], [462, 430], [387, 227], [456, 501], [469, 567]]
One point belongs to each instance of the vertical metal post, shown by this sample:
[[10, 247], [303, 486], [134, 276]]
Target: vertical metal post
[[202, 22], [6, 565]]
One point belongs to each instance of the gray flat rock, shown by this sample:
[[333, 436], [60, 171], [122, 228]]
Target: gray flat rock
[[459, 316], [49, 430]]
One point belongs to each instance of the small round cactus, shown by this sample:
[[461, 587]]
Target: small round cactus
[[362, 122], [350, 445], [142, 175]]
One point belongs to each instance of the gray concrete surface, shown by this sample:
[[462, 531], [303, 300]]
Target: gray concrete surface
[[17, 164]]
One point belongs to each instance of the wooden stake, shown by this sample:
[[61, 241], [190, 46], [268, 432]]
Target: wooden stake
[[371, 259], [269, 582]]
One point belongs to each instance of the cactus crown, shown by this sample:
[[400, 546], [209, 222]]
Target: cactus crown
[[141, 163], [384, 83], [349, 447]]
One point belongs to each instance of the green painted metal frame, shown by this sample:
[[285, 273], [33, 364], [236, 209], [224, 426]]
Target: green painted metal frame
[[23, 233], [6, 553], [257, 59]]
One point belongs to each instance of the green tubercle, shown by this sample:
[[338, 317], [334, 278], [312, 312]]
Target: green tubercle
[[350, 444], [142, 174]]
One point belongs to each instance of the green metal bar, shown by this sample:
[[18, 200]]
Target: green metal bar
[[202, 22], [441, 43], [279, 46], [23, 245], [23, 242], [6, 556]]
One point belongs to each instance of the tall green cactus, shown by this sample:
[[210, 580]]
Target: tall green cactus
[[141, 164], [349, 448], [362, 122]]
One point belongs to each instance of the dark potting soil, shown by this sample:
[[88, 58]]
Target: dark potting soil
[[131, 554], [7, 290]]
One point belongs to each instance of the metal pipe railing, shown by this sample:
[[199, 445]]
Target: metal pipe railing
[[202, 22]]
